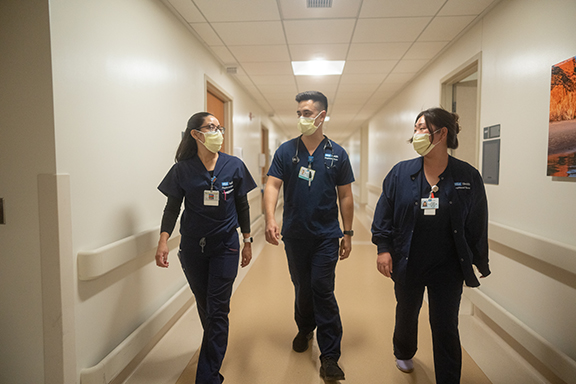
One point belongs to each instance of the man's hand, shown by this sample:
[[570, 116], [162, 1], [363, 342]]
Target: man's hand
[[345, 247], [272, 232]]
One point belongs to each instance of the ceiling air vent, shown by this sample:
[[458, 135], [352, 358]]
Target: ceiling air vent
[[319, 3]]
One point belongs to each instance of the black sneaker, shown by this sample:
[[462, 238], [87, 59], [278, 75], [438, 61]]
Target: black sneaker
[[300, 343], [330, 371]]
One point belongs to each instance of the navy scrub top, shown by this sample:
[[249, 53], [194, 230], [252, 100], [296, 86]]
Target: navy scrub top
[[189, 179], [311, 211]]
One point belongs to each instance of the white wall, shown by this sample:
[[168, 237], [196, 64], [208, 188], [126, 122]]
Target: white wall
[[127, 75], [519, 41], [26, 150]]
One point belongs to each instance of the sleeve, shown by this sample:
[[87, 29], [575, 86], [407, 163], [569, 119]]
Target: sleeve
[[477, 226], [244, 182], [383, 223], [243, 210], [170, 185], [345, 175], [276, 168], [171, 212]]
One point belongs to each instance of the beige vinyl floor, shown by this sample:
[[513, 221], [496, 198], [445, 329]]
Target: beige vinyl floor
[[262, 327]]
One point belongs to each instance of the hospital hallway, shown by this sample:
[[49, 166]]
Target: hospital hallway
[[262, 329]]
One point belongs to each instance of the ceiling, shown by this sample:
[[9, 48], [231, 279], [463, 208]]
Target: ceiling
[[385, 44]]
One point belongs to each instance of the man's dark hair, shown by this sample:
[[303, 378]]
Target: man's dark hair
[[317, 97]]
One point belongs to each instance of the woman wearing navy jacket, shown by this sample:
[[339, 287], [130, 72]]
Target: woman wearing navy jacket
[[214, 187], [430, 226]]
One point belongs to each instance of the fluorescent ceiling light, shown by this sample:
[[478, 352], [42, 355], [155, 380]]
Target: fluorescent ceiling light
[[318, 67]]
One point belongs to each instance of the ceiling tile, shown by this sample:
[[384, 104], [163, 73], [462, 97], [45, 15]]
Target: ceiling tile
[[304, 52], [319, 31], [355, 87], [384, 30], [254, 33], [410, 66], [340, 9], [260, 53], [377, 51], [425, 50], [362, 78], [396, 8], [234, 10], [188, 11], [206, 33], [273, 89], [273, 79], [223, 54], [369, 66], [398, 78], [464, 7], [445, 28], [274, 68], [353, 98]]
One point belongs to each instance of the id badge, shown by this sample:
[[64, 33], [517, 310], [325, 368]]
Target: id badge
[[306, 174], [430, 205], [211, 198]]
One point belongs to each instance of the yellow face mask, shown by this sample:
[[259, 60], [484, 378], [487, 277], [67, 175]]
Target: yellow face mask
[[422, 144], [213, 141], [306, 125]]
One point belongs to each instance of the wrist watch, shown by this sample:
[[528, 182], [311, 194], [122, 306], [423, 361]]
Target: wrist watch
[[248, 239], [349, 233]]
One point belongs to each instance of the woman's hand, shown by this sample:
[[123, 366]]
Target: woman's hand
[[246, 254], [162, 251], [384, 264]]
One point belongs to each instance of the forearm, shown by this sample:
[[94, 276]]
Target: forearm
[[347, 211], [270, 200]]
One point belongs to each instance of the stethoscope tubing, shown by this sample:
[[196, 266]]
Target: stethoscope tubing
[[327, 145]]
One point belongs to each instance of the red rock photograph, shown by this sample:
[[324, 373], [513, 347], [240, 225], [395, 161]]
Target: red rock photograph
[[562, 126]]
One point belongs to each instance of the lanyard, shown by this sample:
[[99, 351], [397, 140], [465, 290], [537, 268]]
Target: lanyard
[[310, 161]]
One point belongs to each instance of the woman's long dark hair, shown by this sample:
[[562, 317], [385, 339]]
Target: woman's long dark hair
[[188, 146]]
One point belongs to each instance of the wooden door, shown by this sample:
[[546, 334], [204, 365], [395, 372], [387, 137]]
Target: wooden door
[[216, 107]]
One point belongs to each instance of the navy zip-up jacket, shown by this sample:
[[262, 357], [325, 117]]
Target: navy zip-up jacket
[[395, 215]]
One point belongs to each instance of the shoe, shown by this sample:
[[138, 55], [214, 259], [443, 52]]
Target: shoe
[[300, 343], [405, 366], [329, 370]]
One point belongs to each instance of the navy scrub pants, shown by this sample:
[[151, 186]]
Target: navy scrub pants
[[210, 271], [444, 295], [312, 264]]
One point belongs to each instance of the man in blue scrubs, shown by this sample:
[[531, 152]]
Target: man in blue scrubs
[[316, 175]]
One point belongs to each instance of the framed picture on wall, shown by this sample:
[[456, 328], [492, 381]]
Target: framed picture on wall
[[562, 123]]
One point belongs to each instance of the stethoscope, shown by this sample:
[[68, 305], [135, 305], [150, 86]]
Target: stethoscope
[[327, 145]]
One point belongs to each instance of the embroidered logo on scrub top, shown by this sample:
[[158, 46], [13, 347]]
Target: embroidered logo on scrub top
[[227, 188], [461, 185]]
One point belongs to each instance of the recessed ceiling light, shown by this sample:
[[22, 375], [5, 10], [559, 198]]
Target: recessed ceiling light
[[318, 67]]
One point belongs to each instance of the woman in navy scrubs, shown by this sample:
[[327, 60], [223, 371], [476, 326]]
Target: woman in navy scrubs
[[214, 187], [430, 226]]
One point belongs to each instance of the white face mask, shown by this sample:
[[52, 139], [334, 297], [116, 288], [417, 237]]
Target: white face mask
[[306, 125], [422, 144], [213, 140]]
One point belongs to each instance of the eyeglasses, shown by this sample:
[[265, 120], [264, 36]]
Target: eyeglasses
[[214, 128]]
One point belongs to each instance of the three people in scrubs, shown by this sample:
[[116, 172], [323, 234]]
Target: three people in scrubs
[[431, 226], [316, 175], [214, 187]]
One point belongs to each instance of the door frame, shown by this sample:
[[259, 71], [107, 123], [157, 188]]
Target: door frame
[[474, 64], [212, 87]]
